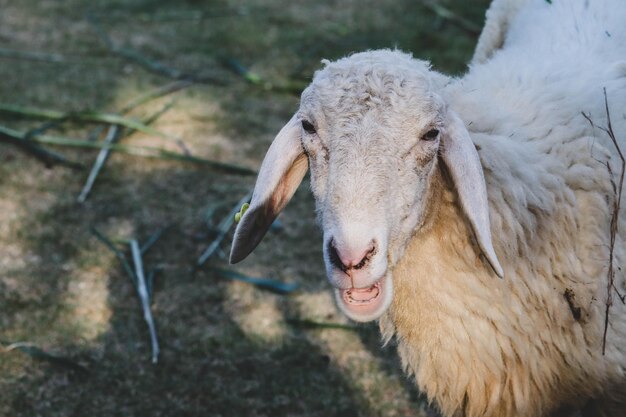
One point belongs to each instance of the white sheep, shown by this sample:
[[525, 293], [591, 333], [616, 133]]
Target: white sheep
[[428, 188]]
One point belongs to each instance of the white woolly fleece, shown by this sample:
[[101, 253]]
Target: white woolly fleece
[[529, 345]]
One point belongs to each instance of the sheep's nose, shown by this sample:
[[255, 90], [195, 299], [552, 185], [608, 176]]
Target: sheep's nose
[[350, 258]]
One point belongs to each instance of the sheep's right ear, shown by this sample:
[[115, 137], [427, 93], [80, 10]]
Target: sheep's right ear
[[463, 163], [282, 170]]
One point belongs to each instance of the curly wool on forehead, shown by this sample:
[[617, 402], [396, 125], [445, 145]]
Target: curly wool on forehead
[[373, 79]]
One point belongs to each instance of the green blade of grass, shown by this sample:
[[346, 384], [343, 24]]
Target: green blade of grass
[[153, 239], [158, 92], [150, 280], [48, 158], [268, 284], [84, 116], [447, 14], [40, 354], [236, 66], [288, 87], [178, 15], [31, 56], [311, 324], [149, 64], [120, 256], [141, 151]]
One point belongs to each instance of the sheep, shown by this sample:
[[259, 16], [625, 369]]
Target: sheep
[[498, 17], [471, 216]]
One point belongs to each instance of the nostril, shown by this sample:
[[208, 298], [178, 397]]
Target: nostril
[[366, 258], [350, 259], [334, 256]]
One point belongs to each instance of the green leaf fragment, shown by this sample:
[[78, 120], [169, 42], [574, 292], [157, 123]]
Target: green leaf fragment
[[241, 212], [268, 284], [40, 354]]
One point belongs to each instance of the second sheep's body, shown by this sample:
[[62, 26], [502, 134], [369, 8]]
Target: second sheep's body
[[428, 187]]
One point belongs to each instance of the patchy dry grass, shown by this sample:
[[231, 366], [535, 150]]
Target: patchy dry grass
[[228, 349]]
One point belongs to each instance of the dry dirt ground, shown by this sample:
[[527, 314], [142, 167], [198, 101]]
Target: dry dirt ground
[[228, 348]]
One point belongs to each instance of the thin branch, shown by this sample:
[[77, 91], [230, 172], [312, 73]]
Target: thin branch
[[112, 136], [43, 128], [447, 14], [36, 352], [142, 290], [149, 64], [289, 87], [614, 222], [268, 284], [114, 133], [95, 133], [153, 239], [156, 93], [48, 158], [120, 256], [180, 15], [312, 324], [32, 56], [157, 67], [614, 225], [150, 279], [621, 296]]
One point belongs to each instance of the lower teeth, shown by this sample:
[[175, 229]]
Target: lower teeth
[[354, 301]]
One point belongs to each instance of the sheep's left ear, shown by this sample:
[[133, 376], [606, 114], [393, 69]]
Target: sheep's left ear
[[282, 170], [461, 158]]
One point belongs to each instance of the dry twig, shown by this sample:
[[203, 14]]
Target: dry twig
[[159, 92], [267, 284], [36, 352], [157, 67], [118, 254], [447, 14], [142, 290], [617, 191], [111, 137], [49, 158], [114, 133], [142, 284], [31, 56], [149, 64]]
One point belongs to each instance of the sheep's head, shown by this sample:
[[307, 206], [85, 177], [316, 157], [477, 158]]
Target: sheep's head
[[374, 132]]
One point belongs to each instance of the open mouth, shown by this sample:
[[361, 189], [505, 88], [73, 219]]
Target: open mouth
[[365, 304], [362, 296]]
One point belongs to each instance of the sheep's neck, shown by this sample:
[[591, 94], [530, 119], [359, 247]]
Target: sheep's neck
[[442, 293], [478, 343]]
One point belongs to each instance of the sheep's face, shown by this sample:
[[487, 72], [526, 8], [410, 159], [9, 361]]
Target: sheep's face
[[371, 134], [370, 129]]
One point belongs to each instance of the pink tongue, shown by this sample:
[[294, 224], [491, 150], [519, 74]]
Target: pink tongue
[[363, 294]]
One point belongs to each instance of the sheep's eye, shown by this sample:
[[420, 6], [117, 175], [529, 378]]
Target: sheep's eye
[[431, 134], [308, 127]]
